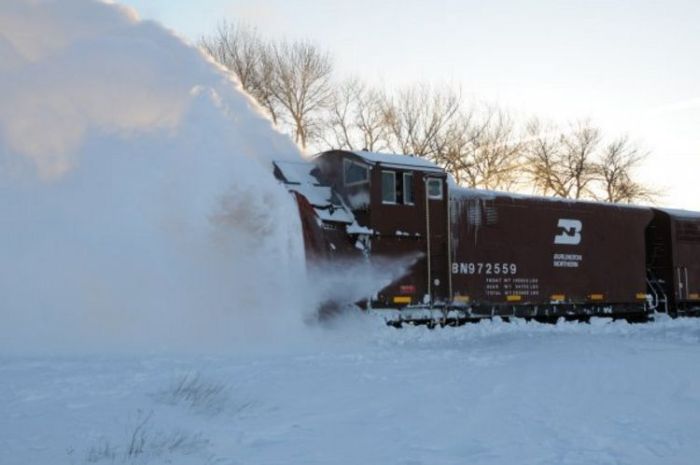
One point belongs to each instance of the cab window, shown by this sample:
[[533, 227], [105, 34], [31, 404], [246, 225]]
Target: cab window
[[435, 189], [388, 187], [408, 189], [355, 173]]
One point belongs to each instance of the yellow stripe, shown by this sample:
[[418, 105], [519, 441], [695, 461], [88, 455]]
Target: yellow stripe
[[402, 299], [558, 297], [694, 296], [641, 295], [514, 298], [596, 296], [461, 298]]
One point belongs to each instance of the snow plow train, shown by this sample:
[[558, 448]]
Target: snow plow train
[[477, 254]]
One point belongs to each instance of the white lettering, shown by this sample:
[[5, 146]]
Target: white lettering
[[567, 260], [484, 268]]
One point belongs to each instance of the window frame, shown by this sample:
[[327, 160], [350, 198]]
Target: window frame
[[386, 202], [403, 193], [439, 196], [346, 163]]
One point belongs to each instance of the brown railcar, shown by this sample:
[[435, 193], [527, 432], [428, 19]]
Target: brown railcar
[[390, 196], [478, 253], [673, 254], [528, 252]]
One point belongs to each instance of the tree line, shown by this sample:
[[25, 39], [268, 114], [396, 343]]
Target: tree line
[[481, 145]]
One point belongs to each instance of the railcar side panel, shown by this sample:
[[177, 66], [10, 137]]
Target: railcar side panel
[[530, 251]]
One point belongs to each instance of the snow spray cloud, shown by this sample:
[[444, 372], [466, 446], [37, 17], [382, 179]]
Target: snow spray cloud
[[347, 282], [137, 205]]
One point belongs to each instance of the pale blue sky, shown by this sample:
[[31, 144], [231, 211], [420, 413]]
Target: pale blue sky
[[631, 66]]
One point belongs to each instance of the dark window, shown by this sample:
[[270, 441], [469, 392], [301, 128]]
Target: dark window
[[434, 188], [354, 173], [408, 189], [388, 187]]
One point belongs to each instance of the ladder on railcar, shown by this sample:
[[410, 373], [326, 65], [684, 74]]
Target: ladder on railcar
[[657, 289]]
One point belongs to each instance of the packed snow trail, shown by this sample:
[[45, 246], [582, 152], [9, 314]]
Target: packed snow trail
[[489, 393]]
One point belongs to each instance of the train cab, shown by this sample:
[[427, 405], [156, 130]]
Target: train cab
[[400, 203]]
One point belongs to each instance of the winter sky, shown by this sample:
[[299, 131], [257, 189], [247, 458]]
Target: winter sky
[[630, 66]]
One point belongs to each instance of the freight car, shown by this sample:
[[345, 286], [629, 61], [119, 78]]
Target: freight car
[[466, 254]]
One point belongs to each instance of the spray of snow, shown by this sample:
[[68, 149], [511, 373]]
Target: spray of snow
[[137, 207], [351, 281]]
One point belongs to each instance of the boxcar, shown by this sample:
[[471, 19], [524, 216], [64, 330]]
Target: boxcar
[[527, 253]]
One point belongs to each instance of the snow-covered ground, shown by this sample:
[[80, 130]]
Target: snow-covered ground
[[361, 393]]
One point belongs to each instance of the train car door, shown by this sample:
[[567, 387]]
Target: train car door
[[436, 239]]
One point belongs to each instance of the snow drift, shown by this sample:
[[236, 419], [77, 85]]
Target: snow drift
[[137, 207]]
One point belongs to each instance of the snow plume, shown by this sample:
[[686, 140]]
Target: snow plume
[[351, 281], [137, 205]]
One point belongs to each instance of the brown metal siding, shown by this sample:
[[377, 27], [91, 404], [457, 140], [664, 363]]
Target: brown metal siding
[[402, 232], [496, 232], [401, 251], [686, 266], [391, 223]]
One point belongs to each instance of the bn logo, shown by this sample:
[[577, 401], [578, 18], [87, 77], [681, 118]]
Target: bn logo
[[570, 232]]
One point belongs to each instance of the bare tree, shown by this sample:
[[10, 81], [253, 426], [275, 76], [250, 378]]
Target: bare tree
[[449, 148], [355, 118], [416, 116], [563, 163], [579, 166], [618, 161], [544, 159], [339, 130], [238, 48], [370, 121], [290, 80], [241, 50], [493, 154], [480, 147], [300, 81]]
